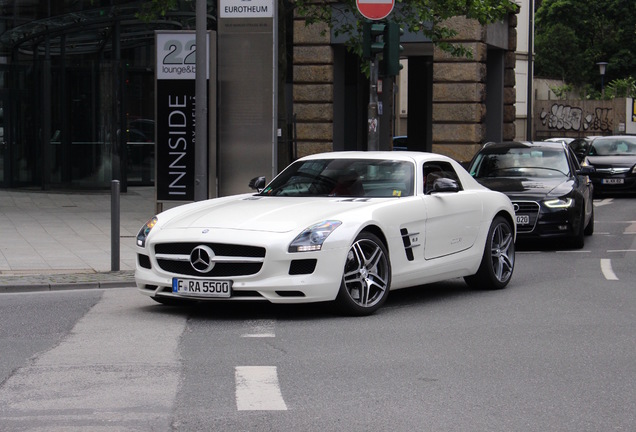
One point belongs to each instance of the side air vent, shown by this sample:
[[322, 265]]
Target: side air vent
[[410, 240]]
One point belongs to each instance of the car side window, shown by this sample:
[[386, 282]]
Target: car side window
[[437, 170], [573, 161]]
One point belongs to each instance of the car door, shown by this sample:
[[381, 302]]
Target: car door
[[583, 184], [453, 218]]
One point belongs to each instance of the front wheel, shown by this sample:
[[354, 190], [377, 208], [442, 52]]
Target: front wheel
[[578, 240], [366, 279], [498, 260], [589, 229]]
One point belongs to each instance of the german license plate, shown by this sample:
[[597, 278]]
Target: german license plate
[[523, 220], [202, 288], [613, 181]]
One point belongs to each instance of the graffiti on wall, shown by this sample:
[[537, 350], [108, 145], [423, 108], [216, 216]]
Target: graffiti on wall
[[566, 117]]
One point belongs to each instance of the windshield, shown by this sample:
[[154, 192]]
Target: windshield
[[521, 162], [344, 177], [613, 146]]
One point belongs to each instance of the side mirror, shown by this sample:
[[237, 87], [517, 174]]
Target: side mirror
[[445, 185], [580, 154], [258, 183]]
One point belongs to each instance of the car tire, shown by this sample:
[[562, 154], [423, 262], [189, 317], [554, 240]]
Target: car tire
[[578, 240], [589, 229], [366, 279], [498, 260]]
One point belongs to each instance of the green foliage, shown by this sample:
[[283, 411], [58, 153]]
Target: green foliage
[[418, 16], [572, 36], [153, 9], [557, 60], [621, 88], [562, 92]]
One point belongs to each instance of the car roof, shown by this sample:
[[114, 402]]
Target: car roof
[[493, 146], [566, 140], [615, 137], [411, 156]]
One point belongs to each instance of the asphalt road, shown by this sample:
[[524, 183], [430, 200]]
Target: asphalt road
[[554, 351]]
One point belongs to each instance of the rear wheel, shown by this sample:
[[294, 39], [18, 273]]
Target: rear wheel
[[366, 279], [498, 261]]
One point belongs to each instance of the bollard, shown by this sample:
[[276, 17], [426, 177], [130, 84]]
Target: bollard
[[114, 225]]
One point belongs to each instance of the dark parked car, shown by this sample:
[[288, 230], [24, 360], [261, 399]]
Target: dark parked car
[[614, 160], [550, 191], [400, 143], [580, 147]]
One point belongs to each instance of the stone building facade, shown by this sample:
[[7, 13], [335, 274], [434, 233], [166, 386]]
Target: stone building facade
[[459, 89]]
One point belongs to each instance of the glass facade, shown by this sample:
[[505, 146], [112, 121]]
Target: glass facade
[[77, 90]]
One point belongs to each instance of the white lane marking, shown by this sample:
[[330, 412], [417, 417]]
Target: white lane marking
[[260, 329], [600, 203], [631, 228], [257, 389], [606, 268], [621, 250], [118, 367]]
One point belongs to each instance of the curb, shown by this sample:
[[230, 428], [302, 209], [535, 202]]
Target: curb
[[65, 286], [65, 282]]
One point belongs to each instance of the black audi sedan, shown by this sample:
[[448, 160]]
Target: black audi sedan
[[614, 161], [550, 191]]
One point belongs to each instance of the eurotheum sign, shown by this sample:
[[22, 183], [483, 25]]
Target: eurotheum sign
[[375, 9], [175, 117], [247, 9]]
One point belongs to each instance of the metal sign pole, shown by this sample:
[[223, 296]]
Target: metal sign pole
[[373, 136], [114, 225], [201, 110]]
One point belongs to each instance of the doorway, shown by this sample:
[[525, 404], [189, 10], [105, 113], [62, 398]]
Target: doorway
[[4, 160]]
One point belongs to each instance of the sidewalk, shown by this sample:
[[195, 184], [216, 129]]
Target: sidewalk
[[61, 240]]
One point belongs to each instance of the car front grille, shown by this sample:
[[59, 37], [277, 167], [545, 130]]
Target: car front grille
[[526, 208], [612, 171], [228, 259]]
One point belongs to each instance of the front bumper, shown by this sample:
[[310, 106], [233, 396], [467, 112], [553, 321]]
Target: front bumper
[[546, 223], [283, 278], [618, 183]]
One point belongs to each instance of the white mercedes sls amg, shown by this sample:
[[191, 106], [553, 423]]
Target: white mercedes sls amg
[[346, 227]]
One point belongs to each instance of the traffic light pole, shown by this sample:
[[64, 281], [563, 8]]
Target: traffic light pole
[[380, 39], [373, 135]]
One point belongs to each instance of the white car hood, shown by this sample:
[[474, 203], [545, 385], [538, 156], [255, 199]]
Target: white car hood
[[270, 214]]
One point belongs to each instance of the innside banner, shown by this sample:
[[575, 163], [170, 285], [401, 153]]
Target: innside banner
[[175, 115]]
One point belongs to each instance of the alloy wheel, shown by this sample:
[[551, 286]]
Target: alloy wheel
[[366, 275], [502, 252]]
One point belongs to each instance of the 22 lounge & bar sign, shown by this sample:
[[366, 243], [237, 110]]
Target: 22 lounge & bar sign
[[175, 115]]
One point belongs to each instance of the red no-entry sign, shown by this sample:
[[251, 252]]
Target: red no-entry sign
[[375, 9]]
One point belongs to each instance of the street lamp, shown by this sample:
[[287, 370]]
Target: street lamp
[[601, 68]]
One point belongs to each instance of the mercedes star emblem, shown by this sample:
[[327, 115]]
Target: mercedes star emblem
[[201, 259]]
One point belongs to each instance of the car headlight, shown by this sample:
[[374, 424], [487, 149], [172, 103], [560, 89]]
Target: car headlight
[[634, 170], [559, 203], [312, 238], [145, 230]]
